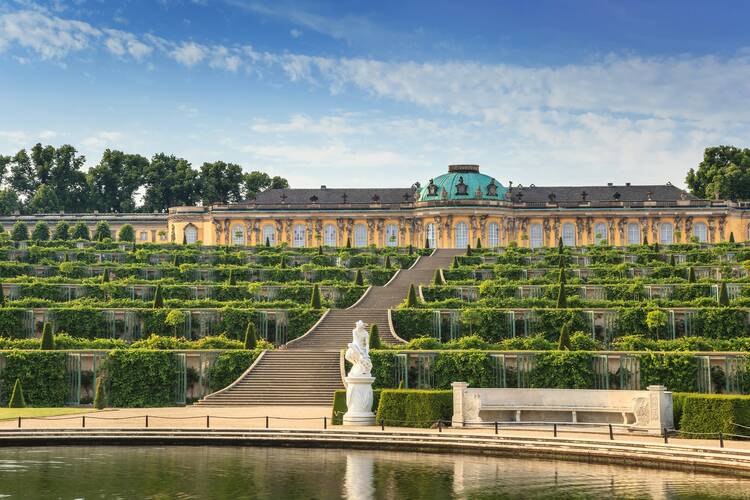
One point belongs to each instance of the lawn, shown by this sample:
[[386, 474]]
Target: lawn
[[10, 413]]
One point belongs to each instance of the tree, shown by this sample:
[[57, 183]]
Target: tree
[[102, 231], [672, 261], [20, 231], [2, 297], [16, 399], [437, 279], [375, 342], [731, 237], [175, 319], [62, 231], [115, 179], [126, 233], [479, 243], [105, 275], [427, 242], [67, 179], [411, 249], [411, 297], [80, 231], [723, 295], [220, 182], [564, 340], [40, 232], [656, 321], [232, 278], [468, 250], [169, 182], [348, 242], [278, 182], [9, 202], [44, 201], [724, 173], [456, 264], [560, 246], [254, 182], [251, 336], [358, 279], [645, 240], [691, 275], [387, 263], [315, 299], [562, 295], [268, 242], [158, 299], [48, 339]]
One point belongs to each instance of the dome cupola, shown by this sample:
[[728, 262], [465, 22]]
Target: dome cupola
[[462, 182]]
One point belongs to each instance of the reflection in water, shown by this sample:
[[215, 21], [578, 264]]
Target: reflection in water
[[281, 473]]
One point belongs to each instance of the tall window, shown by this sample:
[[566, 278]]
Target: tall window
[[666, 231], [238, 235], [143, 236], [391, 235], [191, 234], [329, 235], [462, 235], [431, 235], [493, 234], [600, 233], [300, 235], [269, 234], [700, 231], [634, 233], [535, 235], [360, 235], [569, 234]]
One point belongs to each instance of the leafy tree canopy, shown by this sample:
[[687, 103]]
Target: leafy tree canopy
[[724, 173]]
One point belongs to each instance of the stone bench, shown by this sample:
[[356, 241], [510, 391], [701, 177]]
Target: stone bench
[[649, 410]]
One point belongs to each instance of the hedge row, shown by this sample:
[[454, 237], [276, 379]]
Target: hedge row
[[492, 324]]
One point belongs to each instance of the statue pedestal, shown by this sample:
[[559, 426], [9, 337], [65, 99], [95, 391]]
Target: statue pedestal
[[359, 401]]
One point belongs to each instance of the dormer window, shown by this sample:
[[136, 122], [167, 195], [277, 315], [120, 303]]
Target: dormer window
[[616, 196], [584, 195], [375, 198], [461, 188], [492, 188], [313, 199], [432, 189], [551, 197]]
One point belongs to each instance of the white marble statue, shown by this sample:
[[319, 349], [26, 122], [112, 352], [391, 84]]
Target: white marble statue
[[358, 352], [359, 379]]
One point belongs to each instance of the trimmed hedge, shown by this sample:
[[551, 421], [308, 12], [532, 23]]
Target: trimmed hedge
[[414, 408], [42, 375], [339, 405], [229, 366], [140, 378], [713, 413]]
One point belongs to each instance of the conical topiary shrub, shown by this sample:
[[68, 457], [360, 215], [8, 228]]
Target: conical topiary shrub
[[16, 399], [251, 336], [672, 261], [656, 247], [315, 299], [387, 263], [348, 242], [427, 242], [560, 246], [411, 297], [158, 298], [232, 278], [268, 241], [438, 278], [456, 264], [723, 295], [562, 296], [100, 401], [48, 339], [2, 297], [645, 240], [184, 239], [411, 249], [375, 337], [320, 249], [479, 243], [731, 237], [564, 341], [105, 275], [468, 250], [282, 262], [358, 279], [691, 275]]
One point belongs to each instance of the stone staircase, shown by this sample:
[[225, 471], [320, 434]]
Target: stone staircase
[[307, 371]]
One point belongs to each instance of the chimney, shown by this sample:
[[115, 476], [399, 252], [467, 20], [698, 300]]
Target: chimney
[[322, 186], [609, 184], [627, 184]]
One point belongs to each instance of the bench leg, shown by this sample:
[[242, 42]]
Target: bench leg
[[518, 415], [575, 417]]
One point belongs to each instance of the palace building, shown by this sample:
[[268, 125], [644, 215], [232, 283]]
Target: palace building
[[451, 210]]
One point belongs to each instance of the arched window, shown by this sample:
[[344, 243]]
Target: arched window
[[269, 234], [700, 231], [300, 235], [431, 235], [535, 235], [329, 235], [666, 232], [600, 233], [462, 235], [569, 234], [191, 234], [391, 235], [493, 234], [634, 233], [238, 235], [360, 235]]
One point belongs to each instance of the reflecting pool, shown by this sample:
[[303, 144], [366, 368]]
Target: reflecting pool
[[235, 472]]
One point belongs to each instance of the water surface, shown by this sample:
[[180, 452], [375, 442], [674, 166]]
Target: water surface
[[291, 473]]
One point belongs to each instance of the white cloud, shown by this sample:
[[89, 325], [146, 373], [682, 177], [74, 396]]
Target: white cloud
[[102, 140], [49, 36], [189, 53], [295, 33], [120, 43]]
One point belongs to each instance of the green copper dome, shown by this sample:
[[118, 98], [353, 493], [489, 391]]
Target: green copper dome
[[462, 182]]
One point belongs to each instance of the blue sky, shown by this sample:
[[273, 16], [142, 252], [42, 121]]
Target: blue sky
[[383, 93]]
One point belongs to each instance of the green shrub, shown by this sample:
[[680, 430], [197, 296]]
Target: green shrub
[[713, 413], [563, 343], [358, 279], [251, 336], [62, 231], [229, 366], [140, 378], [40, 232], [100, 400], [158, 298], [414, 408], [42, 374], [102, 231], [48, 339], [375, 342], [315, 298], [16, 399], [80, 231], [411, 297], [20, 232], [126, 233], [563, 370]]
